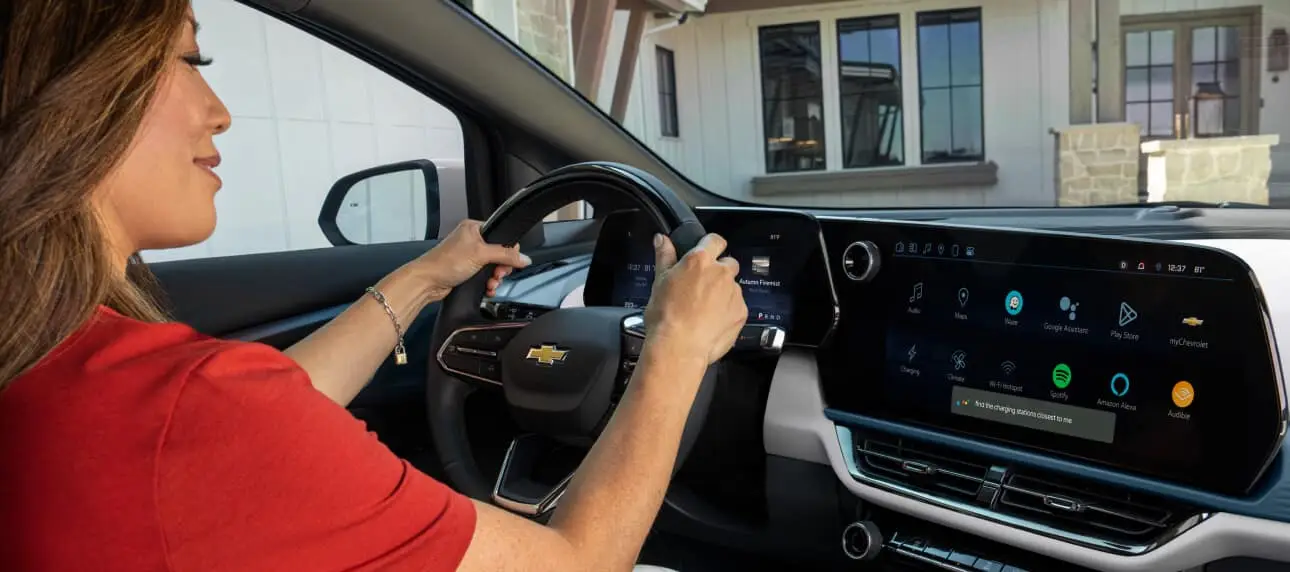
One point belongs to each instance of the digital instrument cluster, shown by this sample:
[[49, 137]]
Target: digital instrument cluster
[[1151, 357], [781, 267]]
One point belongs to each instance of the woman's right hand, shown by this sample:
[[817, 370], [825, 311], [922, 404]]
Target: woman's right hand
[[697, 308]]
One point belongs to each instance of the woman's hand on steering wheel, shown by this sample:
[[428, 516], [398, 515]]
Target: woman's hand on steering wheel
[[697, 308], [462, 254]]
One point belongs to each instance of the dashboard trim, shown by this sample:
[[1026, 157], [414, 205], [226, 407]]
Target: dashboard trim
[[853, 467]]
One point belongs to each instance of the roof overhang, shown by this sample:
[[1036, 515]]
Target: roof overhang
[[679, 6]]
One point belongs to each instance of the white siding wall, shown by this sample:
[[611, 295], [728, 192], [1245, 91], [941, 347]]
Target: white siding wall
[[1025, 51], [1274, 117], [304, 115]]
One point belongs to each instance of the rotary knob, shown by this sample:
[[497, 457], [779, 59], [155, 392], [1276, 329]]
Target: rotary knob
[[861, 260]]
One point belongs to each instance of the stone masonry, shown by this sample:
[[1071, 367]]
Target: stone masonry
[[544, 32], [1097, 164], [1214, 169]]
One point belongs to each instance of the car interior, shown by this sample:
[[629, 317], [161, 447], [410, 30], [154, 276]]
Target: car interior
[[915, 389]]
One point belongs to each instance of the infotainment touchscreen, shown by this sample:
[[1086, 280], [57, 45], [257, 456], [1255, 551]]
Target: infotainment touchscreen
[[1148, 356]]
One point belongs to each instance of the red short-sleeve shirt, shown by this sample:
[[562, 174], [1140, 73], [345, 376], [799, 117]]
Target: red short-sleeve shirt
[[149, 447]]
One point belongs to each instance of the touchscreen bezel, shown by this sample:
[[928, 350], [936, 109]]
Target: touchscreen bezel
[[814, 298], [854, 371]]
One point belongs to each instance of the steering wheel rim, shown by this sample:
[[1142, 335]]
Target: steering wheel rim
[[605, 185]]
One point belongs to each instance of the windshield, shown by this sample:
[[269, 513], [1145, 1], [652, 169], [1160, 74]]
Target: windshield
[[905, 104]]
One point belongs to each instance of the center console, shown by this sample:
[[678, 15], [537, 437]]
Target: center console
[[1147, 357]]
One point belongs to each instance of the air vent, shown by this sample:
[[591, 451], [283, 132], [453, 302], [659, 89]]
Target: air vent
[[926, 467], [1088, 508], [1075, 509]]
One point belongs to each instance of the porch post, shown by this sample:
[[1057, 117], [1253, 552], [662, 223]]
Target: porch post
[[1081, 61], [1110, 68], [627, 64], [592, 22]]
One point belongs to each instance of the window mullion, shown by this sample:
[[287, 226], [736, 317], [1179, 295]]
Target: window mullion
[[911, 89], [831, 84]]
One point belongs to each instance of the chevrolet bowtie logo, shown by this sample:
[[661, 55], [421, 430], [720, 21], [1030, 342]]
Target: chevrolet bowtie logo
[[546, 354]]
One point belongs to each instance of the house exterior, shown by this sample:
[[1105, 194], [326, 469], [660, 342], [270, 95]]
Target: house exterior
[[960, 102], [857, 103]]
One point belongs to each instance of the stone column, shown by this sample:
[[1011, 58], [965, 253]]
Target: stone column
[[1097, 164], [544, 31], [1212, 169]]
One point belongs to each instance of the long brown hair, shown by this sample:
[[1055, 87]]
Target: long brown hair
[[76, 77]]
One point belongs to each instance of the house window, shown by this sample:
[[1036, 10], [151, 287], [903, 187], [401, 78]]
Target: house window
[[1149, 90], [668, 124], [949, 77], [792, 97], [869, 92]]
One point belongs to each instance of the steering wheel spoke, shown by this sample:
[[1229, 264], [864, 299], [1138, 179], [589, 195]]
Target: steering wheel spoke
[[474, 352], [534, 475]]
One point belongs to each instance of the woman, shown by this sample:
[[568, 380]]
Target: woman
[[130, 443]]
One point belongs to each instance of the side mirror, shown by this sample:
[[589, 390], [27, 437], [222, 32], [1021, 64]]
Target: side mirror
[[398, 202]]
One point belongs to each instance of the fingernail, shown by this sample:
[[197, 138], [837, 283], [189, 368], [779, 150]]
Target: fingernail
[[658, 240], [525, 258]]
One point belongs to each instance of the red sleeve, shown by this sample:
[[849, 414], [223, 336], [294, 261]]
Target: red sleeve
[[259, 471]]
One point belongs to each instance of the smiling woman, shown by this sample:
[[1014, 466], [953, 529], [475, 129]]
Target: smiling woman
[[130, 443], [68, 116]]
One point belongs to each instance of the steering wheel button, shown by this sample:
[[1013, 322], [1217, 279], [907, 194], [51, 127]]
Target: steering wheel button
[[489, 369], [470, 338], [461, 363], [633, 345]]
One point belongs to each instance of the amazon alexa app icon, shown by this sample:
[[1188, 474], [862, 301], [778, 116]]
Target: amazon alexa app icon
[[1013, 302]]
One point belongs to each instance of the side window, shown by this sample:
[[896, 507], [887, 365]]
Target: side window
[[305, 115]]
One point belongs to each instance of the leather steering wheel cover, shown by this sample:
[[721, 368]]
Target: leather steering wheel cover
[[603, 184], [630, 188]]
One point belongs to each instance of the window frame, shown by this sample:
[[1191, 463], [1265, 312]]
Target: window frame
[[1248, 19], [668, 117], [827, 18], [763, 143], [900, 85], [922, 90]]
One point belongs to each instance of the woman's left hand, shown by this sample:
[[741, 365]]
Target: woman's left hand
[[461, 255]]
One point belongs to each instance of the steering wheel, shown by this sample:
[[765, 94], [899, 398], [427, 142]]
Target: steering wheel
[[563, 372]]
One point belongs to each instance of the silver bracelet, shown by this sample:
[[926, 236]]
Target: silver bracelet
[[400, 352]]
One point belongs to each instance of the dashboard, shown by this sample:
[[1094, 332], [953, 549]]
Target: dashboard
[[1114, 378]]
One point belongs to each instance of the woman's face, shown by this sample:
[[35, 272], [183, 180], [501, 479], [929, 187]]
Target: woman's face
[[162, 194]]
